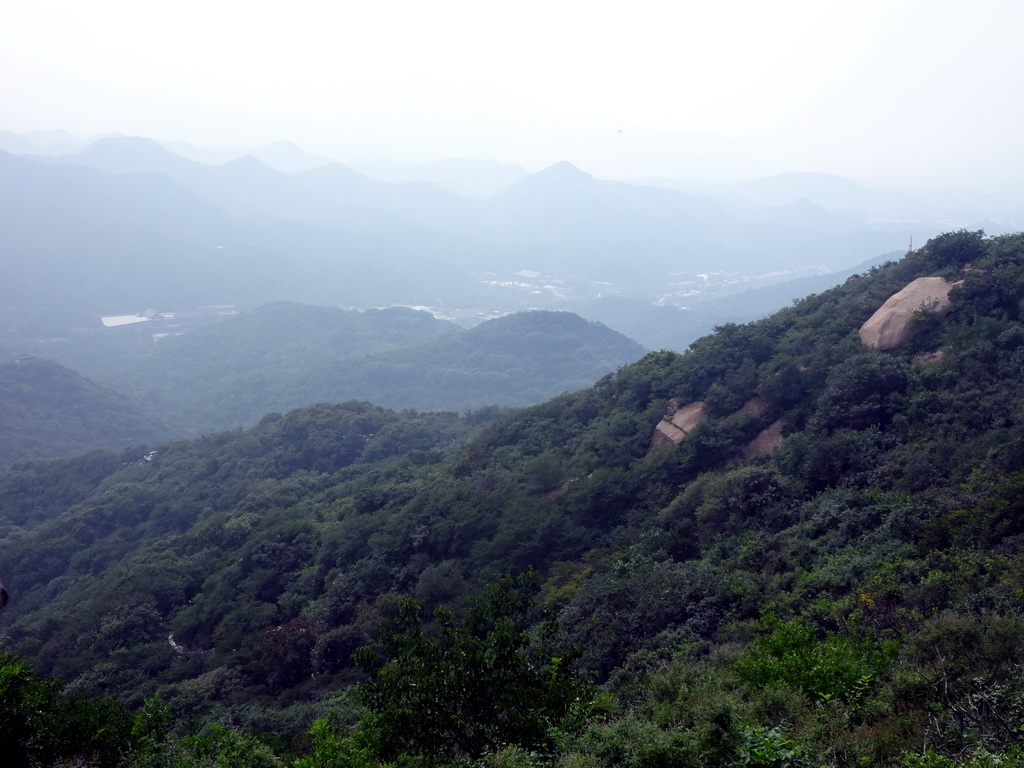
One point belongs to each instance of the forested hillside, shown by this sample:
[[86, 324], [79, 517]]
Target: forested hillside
[[47, 410], [783, 547], [284, 356]]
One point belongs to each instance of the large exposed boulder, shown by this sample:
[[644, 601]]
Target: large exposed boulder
[[674, 429], [893, 324]]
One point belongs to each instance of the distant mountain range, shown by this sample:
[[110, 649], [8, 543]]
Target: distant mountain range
[[125, 224], [475, 178], [558, 219], [80, 243]]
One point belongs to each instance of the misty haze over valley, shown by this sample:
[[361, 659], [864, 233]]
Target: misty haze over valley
[[466, 240], [126, 261]]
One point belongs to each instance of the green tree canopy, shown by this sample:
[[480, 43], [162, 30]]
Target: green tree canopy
[[464, 686]]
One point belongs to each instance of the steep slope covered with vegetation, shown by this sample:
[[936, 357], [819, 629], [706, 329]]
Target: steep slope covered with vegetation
[[848, 594]]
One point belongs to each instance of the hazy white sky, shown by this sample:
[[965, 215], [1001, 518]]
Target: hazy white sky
[[893, 90]]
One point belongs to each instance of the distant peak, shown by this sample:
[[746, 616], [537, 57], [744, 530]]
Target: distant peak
[[560, 176], [122, 144], [564, 169], [289, 157], [291, 146], [334, 169], [246, 161]]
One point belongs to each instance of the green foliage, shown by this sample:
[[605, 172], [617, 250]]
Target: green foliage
[[998, 517], [334, 750], [981, 758], [43, 723], [607, 621], [285, 356], [951, 251], [886, 529], [838, 666], [476, 685], [214, 747], [47, 410], [861, 392], [767, 748]]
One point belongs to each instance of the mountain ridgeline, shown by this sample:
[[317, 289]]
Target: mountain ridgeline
[[127, 225], [782, 547], [47, 410], [283, 356]]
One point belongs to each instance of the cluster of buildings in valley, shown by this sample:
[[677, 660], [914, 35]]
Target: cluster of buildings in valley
[[682, 288], [171, 323]]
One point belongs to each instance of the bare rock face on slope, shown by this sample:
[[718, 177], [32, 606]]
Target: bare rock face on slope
[[674, 428], [767, 441], [893, 324]]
